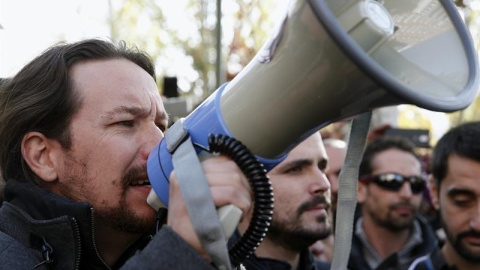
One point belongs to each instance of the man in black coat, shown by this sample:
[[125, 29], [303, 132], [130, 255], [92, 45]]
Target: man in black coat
[[77, 125], [455, 190], [390, 233], [301, 213]]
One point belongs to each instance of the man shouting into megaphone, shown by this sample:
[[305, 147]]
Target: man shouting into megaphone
[[77, 125]]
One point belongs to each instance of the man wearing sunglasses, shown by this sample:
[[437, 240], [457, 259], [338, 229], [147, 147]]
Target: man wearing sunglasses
[[390, 233], [455, 190]]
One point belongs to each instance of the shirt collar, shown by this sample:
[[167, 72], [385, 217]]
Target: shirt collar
[[371, 255]]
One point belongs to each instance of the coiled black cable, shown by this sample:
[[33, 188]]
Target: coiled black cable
[[262, 192]]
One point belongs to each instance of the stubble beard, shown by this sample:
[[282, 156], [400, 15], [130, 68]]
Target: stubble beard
[[125, 219], [459, 246], [120, 217], [292, 234], [390, 221]]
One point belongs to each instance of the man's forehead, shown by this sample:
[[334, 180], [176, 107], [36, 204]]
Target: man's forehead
[[462, 174], [115, 83], [104, 73], [395, 158], [310, 149]]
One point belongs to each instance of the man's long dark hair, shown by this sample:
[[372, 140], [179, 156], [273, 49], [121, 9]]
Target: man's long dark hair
[[41, 98]]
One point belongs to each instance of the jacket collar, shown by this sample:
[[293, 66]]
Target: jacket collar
[[438, 261], [429, 242], [306, 262], [42, 205]]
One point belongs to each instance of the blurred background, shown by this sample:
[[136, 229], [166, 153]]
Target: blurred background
[[197, 45]]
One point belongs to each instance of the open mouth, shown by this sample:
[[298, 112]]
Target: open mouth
[[137, 183]]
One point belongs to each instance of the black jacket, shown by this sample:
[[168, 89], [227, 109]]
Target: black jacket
[[306, 263], [40, 230], [433, 261], [255, 263], [357, 261]]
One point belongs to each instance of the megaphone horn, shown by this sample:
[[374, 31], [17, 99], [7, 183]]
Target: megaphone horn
[[329, 60], [320, 74]]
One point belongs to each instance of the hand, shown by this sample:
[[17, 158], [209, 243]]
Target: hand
[[228, 185]]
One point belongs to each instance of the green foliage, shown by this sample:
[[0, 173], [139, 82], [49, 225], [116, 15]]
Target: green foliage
[[459, 3], [251, 28], [146, 23], [246, 25]]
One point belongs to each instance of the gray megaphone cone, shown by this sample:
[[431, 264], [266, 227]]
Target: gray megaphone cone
[[330, 60]]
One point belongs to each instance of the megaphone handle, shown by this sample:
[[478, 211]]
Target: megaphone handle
[[262, 191], [199, 201], [196, 194], [229, 215]]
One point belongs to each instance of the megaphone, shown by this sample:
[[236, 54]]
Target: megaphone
[[333, 59], [329, 60]]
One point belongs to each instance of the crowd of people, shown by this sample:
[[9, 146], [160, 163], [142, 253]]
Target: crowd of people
[[78, 122]]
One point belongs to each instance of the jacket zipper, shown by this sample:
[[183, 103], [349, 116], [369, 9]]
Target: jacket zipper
[[94, 243], [79, 245]]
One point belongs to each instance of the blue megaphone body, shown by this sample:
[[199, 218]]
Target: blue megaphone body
[[205, 120]]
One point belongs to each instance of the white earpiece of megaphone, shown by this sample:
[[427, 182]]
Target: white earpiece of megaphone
[[330, 60]]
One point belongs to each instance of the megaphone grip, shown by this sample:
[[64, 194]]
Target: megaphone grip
[[262, 191]]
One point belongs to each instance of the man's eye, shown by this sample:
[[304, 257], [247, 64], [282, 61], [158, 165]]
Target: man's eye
[[462, 201], [322, 165], [294, 170], [125, 123]]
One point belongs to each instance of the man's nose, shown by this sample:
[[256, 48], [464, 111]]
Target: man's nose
[[475, 220], [151, 137], [333, 180], [320, 183], [406, 190]]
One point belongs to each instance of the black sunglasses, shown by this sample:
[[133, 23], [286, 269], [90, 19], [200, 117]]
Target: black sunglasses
[[394, 181]]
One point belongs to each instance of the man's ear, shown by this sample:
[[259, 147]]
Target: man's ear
[[40, 154], [362, 192], [433, 192]]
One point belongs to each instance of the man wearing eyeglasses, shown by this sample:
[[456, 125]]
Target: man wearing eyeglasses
[[390, 233], [455, 190]]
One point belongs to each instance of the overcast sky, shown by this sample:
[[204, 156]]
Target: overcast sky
[[29, 27]]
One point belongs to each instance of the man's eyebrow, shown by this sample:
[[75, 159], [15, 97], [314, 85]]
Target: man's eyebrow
[[459, 191], [297, 163], [135, 111]]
